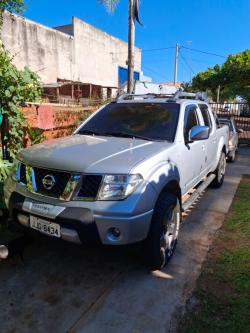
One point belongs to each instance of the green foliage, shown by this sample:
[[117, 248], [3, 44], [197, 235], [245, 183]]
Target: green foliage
[[233, 77], [5, 168], [12, 6], [16, 88], [35, 134], [235, 72]]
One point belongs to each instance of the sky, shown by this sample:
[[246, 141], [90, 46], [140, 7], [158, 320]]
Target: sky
[[221, 27]]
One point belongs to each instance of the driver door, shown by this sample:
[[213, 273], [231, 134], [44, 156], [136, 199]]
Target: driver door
[[193, 154]]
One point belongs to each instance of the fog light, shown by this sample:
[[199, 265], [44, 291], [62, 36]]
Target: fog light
[[114, 234], [23, 219]]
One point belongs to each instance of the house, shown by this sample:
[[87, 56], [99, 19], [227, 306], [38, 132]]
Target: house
[[75, 60]]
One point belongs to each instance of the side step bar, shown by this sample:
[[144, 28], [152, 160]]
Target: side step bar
[[195, 195]]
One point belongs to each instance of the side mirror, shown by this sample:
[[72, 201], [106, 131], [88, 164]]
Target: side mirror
[[240, 130], [198, 133]]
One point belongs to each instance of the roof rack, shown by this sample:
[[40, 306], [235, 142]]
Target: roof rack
[[128, 97], [202, 96]]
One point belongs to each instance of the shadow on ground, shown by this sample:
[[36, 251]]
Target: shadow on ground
[[55, 284]]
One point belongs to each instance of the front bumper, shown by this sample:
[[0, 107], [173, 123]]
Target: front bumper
[[81, 225], [231, 151]]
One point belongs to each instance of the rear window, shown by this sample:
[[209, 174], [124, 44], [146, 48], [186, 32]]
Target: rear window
[[153, 121]]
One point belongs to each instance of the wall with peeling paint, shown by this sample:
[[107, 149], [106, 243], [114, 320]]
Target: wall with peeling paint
[[77, 51]]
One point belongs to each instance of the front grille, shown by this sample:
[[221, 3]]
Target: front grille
[[90, 186], [61, 179]]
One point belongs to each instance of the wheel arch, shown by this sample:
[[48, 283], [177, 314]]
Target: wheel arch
[[221, 148], [172, 187]]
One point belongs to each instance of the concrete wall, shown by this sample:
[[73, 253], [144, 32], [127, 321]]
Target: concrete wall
[[98, 55], [45, 51], [78, 52]]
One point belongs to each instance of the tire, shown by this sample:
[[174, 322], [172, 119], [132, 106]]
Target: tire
[[219, 172], [163, 233]]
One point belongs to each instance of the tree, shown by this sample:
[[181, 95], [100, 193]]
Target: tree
[[233, 78], [12, 6], [16, 88], [235, 75]]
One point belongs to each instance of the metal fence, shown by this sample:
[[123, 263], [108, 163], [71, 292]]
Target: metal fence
[[241, 114]]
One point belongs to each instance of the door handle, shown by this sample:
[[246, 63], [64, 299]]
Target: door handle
[[203, 147]]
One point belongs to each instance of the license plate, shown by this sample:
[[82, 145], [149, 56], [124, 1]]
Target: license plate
[[46, 227]]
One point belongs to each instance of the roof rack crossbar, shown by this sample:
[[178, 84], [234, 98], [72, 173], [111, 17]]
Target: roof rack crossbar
[[202, 96], [126, 96]]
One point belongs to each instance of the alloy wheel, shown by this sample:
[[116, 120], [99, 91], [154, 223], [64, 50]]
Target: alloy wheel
[[169, 234]]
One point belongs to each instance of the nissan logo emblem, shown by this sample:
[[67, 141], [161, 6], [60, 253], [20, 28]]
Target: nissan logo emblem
[[48, 182]]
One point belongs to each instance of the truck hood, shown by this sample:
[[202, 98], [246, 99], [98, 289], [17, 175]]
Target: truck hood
[[91, 154]]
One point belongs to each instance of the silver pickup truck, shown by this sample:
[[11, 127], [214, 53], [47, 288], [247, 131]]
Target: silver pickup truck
[[124, 176]]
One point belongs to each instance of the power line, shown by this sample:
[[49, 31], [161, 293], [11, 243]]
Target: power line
[[160, 49], [172, 47], [209, 53], [201, 62], [148, 50], [185, 61], [160, 75]]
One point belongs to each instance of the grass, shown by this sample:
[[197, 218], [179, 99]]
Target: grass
[[222, 295]]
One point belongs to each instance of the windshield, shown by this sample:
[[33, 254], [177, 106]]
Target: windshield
[[147, 121]]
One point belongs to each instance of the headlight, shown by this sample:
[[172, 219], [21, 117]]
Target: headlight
[[118, 187]]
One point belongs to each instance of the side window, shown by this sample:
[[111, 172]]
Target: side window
[[206, 115], [190, 119]]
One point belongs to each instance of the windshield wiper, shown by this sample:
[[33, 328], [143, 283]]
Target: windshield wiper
[[130, 135], [119, 134], [89, 132]]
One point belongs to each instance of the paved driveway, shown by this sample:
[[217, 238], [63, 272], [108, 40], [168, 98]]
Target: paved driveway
[[61, 287]]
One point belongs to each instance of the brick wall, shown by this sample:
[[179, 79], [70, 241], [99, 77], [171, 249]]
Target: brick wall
[[56, 120]]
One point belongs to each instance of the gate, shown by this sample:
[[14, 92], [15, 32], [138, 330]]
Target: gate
[[241, 114]]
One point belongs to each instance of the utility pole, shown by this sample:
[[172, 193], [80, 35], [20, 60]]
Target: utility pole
[[131, 45], [176, 63]]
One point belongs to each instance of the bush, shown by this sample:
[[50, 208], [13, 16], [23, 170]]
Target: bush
[[16, 88]]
